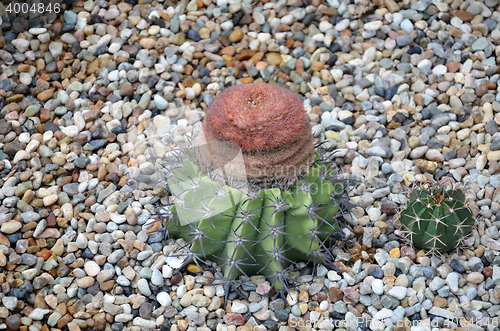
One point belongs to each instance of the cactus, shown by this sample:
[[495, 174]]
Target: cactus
[[437, 217], [253, 195]]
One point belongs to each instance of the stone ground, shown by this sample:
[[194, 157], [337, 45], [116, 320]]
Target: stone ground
[[91, 99]]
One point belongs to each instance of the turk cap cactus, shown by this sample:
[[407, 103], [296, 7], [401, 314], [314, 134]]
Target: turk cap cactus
[[437, 216], [270, 220]]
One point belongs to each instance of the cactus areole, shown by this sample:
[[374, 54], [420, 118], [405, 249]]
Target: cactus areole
[[437, 218], [253, 195]]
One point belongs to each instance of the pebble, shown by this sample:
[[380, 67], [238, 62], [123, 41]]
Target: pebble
[[378, 286], [10, 302], [38, 313], [13, 322], [92, 268], [239, 308], [164, 299], [398, 292], [142, 285]]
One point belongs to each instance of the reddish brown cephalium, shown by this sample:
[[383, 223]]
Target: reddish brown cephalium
[[268, 124]]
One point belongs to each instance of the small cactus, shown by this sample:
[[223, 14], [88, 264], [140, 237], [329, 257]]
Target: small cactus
[[437, 217], [253, 195]]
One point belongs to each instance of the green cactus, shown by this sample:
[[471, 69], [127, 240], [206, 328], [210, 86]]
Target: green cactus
[[256, 231], [251, 193], [436, 217]]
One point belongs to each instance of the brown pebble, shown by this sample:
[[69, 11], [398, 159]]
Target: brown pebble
[[317, 66], [440, 302], [358, 230], [13, 322], [127, 91], [45, 95], [64, 321], [246, 80], [70, 104], [443, 98], [245, 55], [188, 69], [81, 139], [181, 94], [319, 297], [39, 302], [229, 50], [334, 294], [409, 252], [257, 57], [101, 174], [85, 282], [62, 222], [51, 221], [59, 135], [123, 263], [107, 286], [4, 240], [112, 177], [66, 180], [90, 201], [234, 319], [104, 91], [236, 36], [223, 40], [123, 181], [482, 89], [389, 207], [299, 66], [453, 66], [92, 115], [100, 259], [176, 278], [494, 167], [273, 58], [44, 115], [189, 82], [139, 245], [127, 246], [463, 15], [488, 272], [132, 218], [351, 294]]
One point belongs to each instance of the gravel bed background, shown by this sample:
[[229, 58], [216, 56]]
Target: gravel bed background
[[92, 98]]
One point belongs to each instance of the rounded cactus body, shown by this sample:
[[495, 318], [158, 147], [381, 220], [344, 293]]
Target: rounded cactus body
[[255, 232], [437, 218]]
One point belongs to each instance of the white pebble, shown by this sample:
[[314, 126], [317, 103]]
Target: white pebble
[[378, 286], [164, 299]]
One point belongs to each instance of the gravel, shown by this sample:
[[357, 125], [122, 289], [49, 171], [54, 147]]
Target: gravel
[[92, 99]]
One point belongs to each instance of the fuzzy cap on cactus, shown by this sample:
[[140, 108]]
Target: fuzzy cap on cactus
[[256, 226], [436, 217], [267, 124]]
